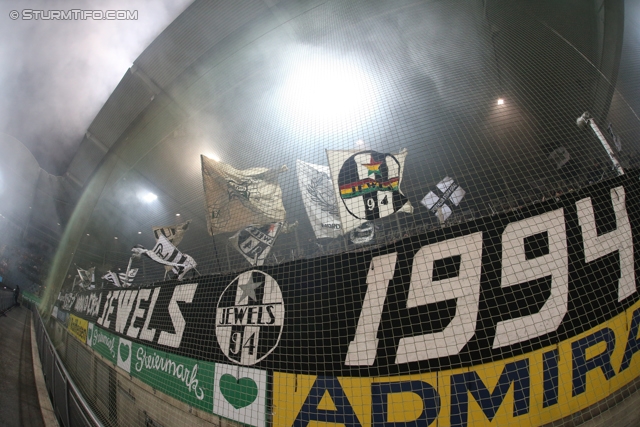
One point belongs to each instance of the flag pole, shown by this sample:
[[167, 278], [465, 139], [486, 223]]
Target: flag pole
[[126, 274], [215, 253]]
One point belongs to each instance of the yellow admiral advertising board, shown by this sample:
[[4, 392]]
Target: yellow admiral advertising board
[[78, 327], [532, 389]]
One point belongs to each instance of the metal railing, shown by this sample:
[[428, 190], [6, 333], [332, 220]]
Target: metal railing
[[6, 301], [70, 407]]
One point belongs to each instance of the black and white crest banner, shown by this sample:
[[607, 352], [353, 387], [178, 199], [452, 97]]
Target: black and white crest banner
[[367, 185], [319, 199], [446, 194], [255, 242], [250, 317]]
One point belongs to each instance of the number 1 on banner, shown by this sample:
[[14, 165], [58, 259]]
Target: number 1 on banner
[[363, 348], [464, 287]]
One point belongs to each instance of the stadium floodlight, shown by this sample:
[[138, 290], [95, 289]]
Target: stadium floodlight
[[586, 119], [148, 197], [326, 91]]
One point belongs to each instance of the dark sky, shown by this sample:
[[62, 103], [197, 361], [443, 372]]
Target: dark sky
[[55, 75]]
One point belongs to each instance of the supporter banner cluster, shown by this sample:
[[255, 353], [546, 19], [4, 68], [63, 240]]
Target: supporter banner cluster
[[483, 291], [525, 317]]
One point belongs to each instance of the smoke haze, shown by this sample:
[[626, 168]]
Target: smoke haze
[[56, 75]]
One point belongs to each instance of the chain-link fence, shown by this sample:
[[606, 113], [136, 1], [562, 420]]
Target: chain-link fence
[[451, 241]]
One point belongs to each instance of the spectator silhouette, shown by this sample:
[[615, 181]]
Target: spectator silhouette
[[16, 294]]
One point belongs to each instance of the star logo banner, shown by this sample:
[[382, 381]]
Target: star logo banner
[[367, 185]]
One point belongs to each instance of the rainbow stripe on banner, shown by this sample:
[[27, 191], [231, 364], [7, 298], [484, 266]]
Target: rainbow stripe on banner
[[366, 186]]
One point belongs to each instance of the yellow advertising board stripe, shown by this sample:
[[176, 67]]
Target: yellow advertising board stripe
[[78, 328], [532, 389]]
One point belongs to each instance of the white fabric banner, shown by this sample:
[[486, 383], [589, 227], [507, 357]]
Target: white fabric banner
[[319, 199], [367, 185], [235, 198], [255, 242]]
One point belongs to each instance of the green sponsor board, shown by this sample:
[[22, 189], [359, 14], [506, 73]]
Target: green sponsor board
[[31, 297], [188, 380], [103, 342], [185, 379]]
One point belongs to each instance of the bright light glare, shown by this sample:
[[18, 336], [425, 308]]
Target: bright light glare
[[213, 156], [148, 197], [500, 101], [328, 91]]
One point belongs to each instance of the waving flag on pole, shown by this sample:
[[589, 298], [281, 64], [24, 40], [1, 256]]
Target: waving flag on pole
[[255, 242], [127, 278], [173, 233], [319, 199], [112, 278], [121, 279], [86, 277], [235, 198], [165, 253], [367, 185]]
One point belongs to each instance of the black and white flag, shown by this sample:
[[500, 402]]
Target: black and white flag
[[255, 242], [367, 185], [173, 233], [121, 279], [87, 277], [127, 278], [112, 278], [164, 252], [319, 199], [441, 199]]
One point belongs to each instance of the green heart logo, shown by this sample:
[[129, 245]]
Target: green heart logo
[[239, 393], [124, 352]]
